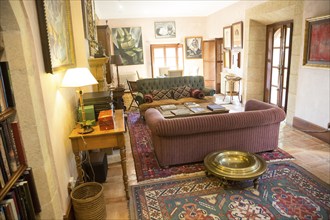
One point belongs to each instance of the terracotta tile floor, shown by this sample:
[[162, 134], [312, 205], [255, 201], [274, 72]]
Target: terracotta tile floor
[[310, 153]]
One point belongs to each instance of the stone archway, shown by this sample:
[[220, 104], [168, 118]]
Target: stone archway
[[19, 51], [255, 47]]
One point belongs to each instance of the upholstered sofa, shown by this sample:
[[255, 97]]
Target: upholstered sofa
[[190, 139], [148, 86]]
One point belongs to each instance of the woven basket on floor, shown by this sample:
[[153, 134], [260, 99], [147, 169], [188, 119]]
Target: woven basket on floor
[[88, 201]]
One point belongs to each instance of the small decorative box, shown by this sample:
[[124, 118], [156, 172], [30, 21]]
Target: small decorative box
[[106, 120]]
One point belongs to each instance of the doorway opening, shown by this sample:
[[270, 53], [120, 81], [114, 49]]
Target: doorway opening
[[278, 58]]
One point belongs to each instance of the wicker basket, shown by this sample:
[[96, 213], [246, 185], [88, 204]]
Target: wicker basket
[[88, 201]]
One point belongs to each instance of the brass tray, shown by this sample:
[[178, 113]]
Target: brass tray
[[235, 165]]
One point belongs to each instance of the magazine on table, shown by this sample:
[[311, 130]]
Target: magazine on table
[[181, 111], [198, 109], [167, 107], [191, 104], [216, 107]]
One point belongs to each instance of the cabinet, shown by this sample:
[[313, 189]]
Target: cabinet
[[103, 37], [213, 63]]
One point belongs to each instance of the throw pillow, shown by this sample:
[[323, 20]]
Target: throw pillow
[[161, 94], [198, 94], [181, 92], [148, 98]]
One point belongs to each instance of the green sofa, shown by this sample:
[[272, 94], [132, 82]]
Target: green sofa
[[147, 86]]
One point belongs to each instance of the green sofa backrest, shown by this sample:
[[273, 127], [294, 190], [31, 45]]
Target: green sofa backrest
[[146, 86]]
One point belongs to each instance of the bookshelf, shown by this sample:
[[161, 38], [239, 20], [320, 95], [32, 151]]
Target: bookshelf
[[18, 194]]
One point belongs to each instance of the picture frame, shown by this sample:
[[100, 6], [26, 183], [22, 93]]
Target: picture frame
[[227, 37], [227, 59], [131, 48], [57, 49], [316, 49], [165, 29], [194, 47], [237, 35]]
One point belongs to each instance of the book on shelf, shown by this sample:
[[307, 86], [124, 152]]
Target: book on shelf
[[4, 164], [28, 176], [13, 212], [12, 195], [167, 107], [10, 147], [198, 109], [181, 111], [191, 104], [18, 141], [215, 107], [20, 202], [6, 85], [24, 193]]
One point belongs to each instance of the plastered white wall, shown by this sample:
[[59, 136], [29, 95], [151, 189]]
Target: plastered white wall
[[185, 27], [313, 87]]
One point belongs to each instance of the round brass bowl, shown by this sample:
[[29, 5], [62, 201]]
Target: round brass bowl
[[235, 165]]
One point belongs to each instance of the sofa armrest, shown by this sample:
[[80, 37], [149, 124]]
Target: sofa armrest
[[208, 92], [154, 118], [139, 98]]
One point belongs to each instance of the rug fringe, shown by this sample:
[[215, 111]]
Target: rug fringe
[[176, 176]]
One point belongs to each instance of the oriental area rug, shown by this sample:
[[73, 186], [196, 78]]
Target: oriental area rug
[[285, 191], [146, 164]]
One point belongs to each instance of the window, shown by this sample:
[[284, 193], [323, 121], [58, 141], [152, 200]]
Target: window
[[166, 55]]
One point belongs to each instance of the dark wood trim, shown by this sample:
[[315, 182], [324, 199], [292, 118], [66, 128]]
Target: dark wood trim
[[69, 215], [312, 129]]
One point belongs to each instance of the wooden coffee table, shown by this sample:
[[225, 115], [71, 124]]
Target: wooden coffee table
[[189, 111], [235, 166]]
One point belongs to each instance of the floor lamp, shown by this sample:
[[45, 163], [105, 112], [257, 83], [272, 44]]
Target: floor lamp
[[117, 60], [78, 78]]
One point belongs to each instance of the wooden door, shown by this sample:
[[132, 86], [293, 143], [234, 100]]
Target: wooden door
[[279, 38], [209, 63], [213, 63]]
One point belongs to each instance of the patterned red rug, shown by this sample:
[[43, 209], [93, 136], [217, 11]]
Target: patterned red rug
[[146, 164], [285, 191]]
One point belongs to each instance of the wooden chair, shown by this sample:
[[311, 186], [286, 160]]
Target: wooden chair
[[133, 90]]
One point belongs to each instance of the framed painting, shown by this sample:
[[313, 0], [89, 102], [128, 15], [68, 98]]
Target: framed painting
[[165, 29], [193, 47], [316, 46], [227, 59], [237, 35], [127, 42], [227, 37], [55, 27]]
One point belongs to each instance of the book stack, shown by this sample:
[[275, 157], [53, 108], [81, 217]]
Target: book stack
[[216, 107], [22, 201]]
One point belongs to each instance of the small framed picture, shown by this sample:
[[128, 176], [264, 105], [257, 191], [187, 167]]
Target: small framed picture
[[165, 29], [227, 59], [237, 35], [193, 47], [227, 37], [316, 45]]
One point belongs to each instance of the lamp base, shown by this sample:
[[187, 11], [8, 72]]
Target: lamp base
[[86, 129]]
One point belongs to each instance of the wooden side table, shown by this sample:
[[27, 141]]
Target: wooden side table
[[101, 139], [232, 79]]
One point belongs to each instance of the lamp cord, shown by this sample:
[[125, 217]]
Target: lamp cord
[[88, 159]]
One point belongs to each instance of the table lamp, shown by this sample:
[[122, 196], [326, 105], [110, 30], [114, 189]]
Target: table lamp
[[117, 60], [77, 78]]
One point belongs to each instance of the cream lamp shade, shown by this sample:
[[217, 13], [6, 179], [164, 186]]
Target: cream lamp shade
[[78, 77]]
